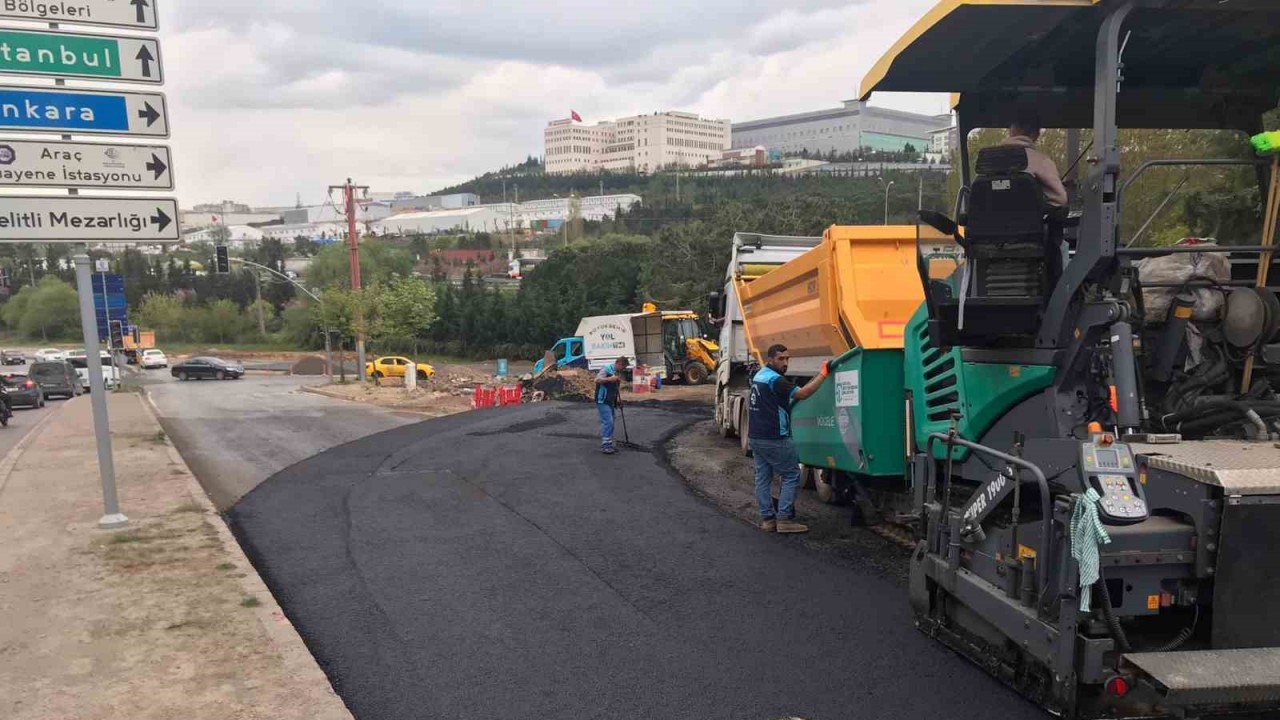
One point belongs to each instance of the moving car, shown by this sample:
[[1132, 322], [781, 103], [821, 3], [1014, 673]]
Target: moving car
[[23, 391], [110, 373], [395, 367], [50, 355], [56, 379], [151, 359], [201, 368], [13, 357]]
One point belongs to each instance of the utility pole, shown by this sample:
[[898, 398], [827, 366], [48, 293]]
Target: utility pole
[[353, 242]]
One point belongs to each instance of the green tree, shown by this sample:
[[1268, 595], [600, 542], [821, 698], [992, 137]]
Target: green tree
[[406, 310], [165, 314], [222, 321], [379, 261], [50, 310]]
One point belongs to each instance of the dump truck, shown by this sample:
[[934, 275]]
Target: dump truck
[[856, 290], [1079, 433], [752, 256]]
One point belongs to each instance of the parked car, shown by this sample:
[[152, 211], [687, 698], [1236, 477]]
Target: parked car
[[23, 391], [153, 359], [395, 367], [56, 379], [110, 373], [202, 368], [51, 355], [13, 357]]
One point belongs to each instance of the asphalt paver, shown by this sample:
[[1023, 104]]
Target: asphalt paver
[[496, 565]]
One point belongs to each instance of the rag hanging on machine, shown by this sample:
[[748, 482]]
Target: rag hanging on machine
[[1087, 534]]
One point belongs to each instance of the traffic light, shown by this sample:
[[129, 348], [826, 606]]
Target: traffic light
[[223, 260], [117, 335]]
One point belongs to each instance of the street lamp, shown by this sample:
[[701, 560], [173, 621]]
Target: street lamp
[[886, 201], [314, 295]]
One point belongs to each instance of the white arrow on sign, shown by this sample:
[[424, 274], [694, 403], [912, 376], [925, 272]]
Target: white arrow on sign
[[34, 163], [24, 218], [83, 112], [136, 14]]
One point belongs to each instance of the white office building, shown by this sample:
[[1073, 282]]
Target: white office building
[[641, 143], [853, 127]]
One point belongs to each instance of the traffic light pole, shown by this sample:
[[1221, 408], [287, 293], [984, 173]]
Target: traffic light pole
[[328, 354], [112, 518]]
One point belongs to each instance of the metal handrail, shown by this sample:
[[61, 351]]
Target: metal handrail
[[1046, 522]]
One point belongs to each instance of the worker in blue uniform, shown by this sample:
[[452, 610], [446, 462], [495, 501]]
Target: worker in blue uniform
[[608, 397], [772, 396]]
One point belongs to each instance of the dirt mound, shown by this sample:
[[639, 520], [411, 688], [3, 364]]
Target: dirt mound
[[309, 366], [566, 385]]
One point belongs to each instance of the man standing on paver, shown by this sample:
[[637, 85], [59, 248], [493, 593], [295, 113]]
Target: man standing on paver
[[608, 397], [772, 396]]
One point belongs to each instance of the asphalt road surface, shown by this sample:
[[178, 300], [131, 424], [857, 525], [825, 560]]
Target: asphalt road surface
[[496, 565], [236, 433]]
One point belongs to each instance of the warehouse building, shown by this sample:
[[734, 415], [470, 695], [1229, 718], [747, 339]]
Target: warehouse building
[[853, 127]]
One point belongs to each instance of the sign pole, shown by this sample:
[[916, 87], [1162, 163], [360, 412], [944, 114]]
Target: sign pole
[[112, 518]]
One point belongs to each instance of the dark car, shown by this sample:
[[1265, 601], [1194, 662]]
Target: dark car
[[56, 379], [207, 368], [23, 391], [13, 357]]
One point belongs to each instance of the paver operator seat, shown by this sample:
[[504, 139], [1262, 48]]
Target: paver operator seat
[[1013, 248]]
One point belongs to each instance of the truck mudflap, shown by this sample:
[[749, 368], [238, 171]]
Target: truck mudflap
[[1210, 678]]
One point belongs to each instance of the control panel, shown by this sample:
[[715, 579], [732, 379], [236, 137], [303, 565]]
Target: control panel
[[1109, 468]]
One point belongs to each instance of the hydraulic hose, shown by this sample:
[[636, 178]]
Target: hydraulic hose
[[1182, 637], [1117, 632]]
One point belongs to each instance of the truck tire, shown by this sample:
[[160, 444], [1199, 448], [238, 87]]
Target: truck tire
[[744, 432], [822, 486], [695, 373]]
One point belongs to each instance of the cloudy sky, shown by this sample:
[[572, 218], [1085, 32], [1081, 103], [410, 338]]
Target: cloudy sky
[[270, 98]]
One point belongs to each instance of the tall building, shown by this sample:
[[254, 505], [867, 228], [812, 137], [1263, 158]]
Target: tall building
[[641, 143], [850, 128]]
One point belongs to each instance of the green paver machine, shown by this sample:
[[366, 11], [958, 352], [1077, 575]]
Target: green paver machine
[[1083, 433]]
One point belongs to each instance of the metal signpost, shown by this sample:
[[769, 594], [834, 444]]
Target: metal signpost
[[83, 112], [77, 166], [34, 163]]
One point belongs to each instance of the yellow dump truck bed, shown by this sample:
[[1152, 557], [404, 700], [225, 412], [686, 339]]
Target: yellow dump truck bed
[[858, 288]]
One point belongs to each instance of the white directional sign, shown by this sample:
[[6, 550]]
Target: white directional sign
[[35, 163], [83, 112], [80, 219], [80, 55], [136, 14]]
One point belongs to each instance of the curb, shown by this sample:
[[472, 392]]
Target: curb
[[280, 631], [10, 461]]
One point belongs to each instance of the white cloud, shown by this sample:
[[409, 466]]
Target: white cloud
[[274, 97]]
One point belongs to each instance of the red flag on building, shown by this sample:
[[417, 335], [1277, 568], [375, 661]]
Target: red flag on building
[[576, 117]]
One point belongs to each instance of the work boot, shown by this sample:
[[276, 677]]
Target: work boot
[[769, 525], [791, 527]]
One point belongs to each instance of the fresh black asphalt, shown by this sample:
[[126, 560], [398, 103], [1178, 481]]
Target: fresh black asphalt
[[496, 565]]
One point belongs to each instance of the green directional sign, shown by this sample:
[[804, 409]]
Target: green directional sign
[[80, 55]]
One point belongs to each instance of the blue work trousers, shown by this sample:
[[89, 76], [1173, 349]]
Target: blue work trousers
[[606, 425], [776, 457]]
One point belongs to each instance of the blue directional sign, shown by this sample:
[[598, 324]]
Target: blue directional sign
[[109, 302], [83, 112]]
